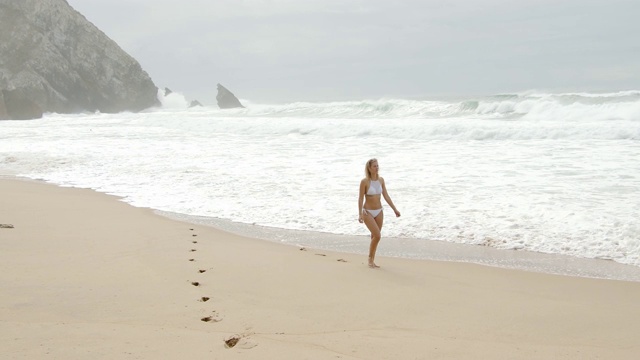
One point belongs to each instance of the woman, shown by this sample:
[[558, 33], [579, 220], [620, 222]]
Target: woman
[[371, 187]]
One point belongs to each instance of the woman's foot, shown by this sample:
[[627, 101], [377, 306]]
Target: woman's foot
[[373, 265]]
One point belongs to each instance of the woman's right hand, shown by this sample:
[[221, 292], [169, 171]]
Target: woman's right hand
[[360, 220]]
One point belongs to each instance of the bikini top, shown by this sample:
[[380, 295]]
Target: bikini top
[[375, 188]]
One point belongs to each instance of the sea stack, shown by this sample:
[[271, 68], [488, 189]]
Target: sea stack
[[52, 59], [195, 103], [226, 99]]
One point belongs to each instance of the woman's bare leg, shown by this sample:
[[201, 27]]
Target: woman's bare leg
[[373, 227], [379, 220]]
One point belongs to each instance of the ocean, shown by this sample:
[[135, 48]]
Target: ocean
[[537, 181]]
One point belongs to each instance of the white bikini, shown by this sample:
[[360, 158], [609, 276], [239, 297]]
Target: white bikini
[[375, 188]]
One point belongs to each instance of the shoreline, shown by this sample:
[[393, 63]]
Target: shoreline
[[87, 275], [430, 250], [556, 264]]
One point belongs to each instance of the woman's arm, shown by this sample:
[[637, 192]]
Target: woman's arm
[[387, 198], [363, 185]]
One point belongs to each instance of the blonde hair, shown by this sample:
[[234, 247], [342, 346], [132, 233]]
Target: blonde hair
[[367, 172]]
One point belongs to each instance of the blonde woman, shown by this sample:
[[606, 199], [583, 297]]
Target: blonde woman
[[372, 188]]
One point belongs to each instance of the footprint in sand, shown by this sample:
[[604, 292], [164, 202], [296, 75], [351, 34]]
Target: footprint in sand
[[242, 341], [321, 254], [212, 318], [204, 299], [192, 250], [194, 235], [195, 242], [202, 271], [232, 341], [341, 260], [192, 259], [195, 283]]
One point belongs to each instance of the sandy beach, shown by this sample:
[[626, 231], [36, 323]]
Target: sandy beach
[[84, 275]]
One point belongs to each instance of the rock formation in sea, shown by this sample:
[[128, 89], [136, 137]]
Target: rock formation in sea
[[226, 99], [52, 59], [192, 103]]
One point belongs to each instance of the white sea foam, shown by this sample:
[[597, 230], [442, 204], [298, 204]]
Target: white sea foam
[[172, 100], [549, 173]]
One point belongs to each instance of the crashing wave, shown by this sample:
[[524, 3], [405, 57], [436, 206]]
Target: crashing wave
[[624, 105]]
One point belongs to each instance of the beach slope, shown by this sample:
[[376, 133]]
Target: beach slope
[[84, 275]]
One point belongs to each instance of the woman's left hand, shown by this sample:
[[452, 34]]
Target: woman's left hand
[[397, 212]]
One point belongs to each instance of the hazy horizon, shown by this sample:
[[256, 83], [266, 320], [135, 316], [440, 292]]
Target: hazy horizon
[[286, 50]]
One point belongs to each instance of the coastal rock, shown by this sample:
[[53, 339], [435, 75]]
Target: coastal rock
[[195, 103], [53, 59], [17, 106], [226, 99], [3, 108]]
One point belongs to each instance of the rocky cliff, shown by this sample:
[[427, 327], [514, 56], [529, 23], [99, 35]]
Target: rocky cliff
[[53, 59]]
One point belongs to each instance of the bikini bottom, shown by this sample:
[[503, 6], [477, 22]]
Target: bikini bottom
[[373, 213]]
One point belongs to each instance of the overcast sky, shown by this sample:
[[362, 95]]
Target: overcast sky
[[278, 51]]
